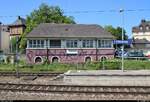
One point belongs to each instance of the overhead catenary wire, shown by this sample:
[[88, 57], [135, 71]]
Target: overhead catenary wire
[[87, 11]]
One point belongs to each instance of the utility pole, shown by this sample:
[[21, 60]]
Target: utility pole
[[122, 12], [17, 71]]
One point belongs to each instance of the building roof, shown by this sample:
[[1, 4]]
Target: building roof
[[141, 41], [69, 30], [4, 28], [143, 24], [19, 21]]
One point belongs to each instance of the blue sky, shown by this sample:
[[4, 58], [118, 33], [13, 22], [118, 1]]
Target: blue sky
[[24, 7]]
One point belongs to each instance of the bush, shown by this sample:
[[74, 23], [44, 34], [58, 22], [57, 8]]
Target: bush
[[8, 58], [136, 65], [110, 65]]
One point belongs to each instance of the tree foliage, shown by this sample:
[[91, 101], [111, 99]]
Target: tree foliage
[[13, 43], [44, 14], [116, 32]]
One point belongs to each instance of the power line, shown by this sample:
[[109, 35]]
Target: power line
[[112, 10], [88, 11], [11, 16]]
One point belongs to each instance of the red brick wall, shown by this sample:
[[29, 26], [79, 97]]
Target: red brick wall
[[31, 54]]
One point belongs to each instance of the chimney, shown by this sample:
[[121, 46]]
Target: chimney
[[143, 20], [19, 17]]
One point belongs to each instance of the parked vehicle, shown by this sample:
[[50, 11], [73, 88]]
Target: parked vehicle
[[136, 54], [118, 53], [129, 53]]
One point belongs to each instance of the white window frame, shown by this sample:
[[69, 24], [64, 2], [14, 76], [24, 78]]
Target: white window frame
[[104, 43], [147, 27], [88, 44], [36, 43], [141, 28], [55, 46], [72, 43]]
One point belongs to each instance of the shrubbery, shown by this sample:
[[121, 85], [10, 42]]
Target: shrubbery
[[58, 67]]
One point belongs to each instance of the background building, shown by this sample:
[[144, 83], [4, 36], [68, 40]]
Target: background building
[[16, 29], [141, 37], [4, 38]]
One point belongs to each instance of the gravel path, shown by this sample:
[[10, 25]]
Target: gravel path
[[38, 80]]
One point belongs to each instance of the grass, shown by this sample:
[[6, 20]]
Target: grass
[[136, 65], [114, 64]]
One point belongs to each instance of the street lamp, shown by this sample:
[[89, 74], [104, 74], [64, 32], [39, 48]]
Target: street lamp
[[122, 65]]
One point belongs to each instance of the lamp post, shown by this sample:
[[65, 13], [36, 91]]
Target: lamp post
[[122, 61], [17, 58]]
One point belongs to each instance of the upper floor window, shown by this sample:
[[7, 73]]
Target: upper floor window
[[147, 27], [71, 43], [87, 43], [104, 43], [55, 43], [141, 28], [36, 43]]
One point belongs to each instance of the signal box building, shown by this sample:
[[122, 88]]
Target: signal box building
[[68, 43]]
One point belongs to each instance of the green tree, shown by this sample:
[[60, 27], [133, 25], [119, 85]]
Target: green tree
[[13, 42], [44, 14], [117, 33]]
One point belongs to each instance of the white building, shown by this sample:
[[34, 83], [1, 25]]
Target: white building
[[141, 36]]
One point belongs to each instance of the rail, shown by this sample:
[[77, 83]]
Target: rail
[[75, 88], [30, 74]]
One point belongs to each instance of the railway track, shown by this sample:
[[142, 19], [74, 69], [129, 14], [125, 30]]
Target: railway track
[[133, 90], [30, 74]]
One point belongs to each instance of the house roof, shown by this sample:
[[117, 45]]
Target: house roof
[[19, 21], [69, 30], [141, 41], [143, 24]]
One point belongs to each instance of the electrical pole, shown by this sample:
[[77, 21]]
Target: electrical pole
[[122, 66], [17, 71]]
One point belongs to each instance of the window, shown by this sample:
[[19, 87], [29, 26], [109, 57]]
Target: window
[[47, 45], [42, 43], [87, 59], [141, 28], [103, 58], [38, 60], [87, 43], [30, 44], [104, 43], [71, 43], [36, 43], [147, 27], [55, 60], [55, 43]]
